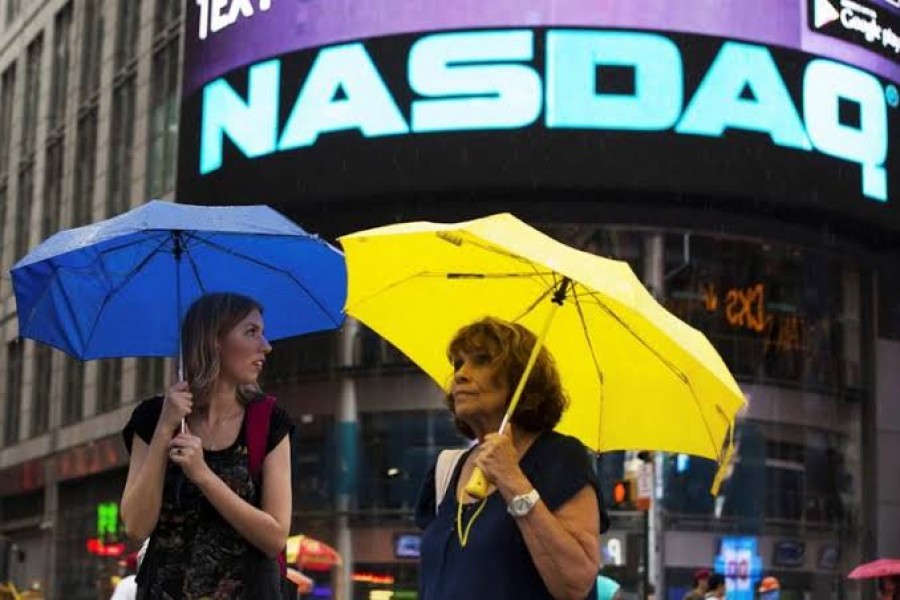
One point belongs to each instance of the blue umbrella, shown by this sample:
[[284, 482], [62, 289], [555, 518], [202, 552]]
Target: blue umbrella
[[120, 287]]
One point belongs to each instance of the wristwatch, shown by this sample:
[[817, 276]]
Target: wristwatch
[[520, 506]]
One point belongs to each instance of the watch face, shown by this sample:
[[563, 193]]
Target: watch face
[[520, 506]]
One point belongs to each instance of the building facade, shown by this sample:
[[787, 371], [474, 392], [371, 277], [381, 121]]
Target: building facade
[[87, 131], [764, 232]]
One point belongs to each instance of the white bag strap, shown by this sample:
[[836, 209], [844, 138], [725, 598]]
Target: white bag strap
[[443, 473]]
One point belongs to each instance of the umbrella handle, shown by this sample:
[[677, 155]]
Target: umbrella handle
[[477, 486]]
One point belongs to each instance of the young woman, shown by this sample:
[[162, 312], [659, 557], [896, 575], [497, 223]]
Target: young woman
[[214, 529]]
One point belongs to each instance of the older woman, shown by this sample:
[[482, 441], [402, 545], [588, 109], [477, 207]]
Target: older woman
[[536, 534]]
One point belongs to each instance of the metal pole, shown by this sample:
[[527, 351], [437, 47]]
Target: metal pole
[[654, 279], [348, 443]]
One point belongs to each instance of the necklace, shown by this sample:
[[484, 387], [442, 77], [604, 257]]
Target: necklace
[[463, 533]]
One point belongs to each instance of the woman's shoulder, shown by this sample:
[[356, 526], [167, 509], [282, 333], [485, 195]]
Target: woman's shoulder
[[148, 409], [553, 443], [143, 420]]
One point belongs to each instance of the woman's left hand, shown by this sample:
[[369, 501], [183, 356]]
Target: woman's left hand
[[186, 451], [498, 459]]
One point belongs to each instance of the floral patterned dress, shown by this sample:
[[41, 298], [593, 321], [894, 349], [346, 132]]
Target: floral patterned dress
[[194, 552]]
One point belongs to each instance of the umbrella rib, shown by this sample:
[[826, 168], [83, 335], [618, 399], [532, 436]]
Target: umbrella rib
[[284, 272], [418, 274], [533, 305], [590, 343], [72, 314], [195, 270], [458, 275], [131, 275], [457, 240], [678, 372], [147, 234]]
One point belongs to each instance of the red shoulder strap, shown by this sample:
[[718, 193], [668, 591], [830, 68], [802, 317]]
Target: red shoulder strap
[[259, 413]]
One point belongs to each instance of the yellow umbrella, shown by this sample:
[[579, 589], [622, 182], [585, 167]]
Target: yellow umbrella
[[638, 378]]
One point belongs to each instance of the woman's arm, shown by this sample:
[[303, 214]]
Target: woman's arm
[[142, 497], [266, 528], [564, 544]]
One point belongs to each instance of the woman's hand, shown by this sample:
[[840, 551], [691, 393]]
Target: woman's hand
[[176, 406], [186, 451], [498, 459]]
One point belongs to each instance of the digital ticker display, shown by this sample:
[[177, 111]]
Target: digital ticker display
[[538, 107]]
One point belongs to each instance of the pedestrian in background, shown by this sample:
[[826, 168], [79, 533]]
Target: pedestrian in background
[[701, 579], [889, 588], [716, 585]]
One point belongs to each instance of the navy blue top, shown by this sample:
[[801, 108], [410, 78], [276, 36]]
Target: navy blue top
[[495, 562]]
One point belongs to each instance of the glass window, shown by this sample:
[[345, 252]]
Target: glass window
[[109, 386], [397, 450], [164, 105], [53, 175], [85, 164], [4, 201], [774, 312], [62, 39], [167, 16], [127, 30], [23, 209], [13, 392], [91, 50], [13, 8], [315, 456], [7, 94], [40, 398], [32, 94], [73, 391], [294, 358], [151, 375], [121, 146]]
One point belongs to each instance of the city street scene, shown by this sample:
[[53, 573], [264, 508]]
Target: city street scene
[[450, 300]]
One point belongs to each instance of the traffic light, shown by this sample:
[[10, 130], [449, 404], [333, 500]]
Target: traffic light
[[622, 494]]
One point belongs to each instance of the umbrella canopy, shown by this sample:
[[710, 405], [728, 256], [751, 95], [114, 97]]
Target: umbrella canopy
[[310, 554], [637, 376], [884, 567], [120, 287]]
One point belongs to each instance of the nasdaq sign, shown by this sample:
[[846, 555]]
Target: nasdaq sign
[[490, 80]]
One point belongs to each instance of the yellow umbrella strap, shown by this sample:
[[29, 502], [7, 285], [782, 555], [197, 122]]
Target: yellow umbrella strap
[[724, 463], [463, 533]]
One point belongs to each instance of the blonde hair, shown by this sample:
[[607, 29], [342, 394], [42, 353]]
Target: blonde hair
[[206, 323]]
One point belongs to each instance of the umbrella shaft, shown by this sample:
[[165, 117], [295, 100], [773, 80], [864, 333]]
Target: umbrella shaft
[[538, 344]]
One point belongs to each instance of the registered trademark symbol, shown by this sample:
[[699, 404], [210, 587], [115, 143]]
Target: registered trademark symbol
[[892, 96]]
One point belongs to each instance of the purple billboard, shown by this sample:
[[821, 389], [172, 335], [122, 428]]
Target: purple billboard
[[764, 103], [223, 35]]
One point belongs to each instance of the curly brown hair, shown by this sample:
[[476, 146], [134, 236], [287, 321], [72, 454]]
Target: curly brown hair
[[509, 346]]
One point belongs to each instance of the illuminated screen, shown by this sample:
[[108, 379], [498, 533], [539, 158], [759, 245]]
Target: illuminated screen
[[333, 113], [406, 545]]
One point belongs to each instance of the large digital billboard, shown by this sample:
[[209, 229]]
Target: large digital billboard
[[779, 101]]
